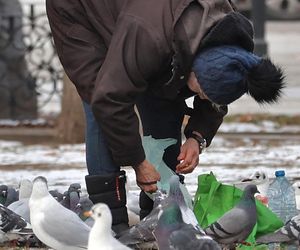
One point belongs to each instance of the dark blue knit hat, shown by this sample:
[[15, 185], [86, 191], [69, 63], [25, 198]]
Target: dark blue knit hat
[[225, 73]]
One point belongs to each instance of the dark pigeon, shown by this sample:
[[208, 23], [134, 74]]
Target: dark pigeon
[[143, 231], [173, 233], [84, 206], [72, 196], [3, 191], [57, 195], [13, 226], [9, 195]]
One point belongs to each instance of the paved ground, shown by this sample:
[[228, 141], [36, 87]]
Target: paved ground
[[283, 40]]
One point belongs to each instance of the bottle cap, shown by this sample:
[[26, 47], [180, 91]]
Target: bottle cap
[[279, 173]]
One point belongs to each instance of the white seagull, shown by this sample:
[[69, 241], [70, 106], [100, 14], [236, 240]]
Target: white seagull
[[296, 186], [101, 237], [261, 180], [53, 224], [21, 206]]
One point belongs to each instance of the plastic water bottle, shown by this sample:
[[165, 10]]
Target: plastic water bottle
[[281, 196], [282, 200]]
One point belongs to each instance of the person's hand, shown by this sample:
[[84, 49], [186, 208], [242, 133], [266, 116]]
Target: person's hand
[[146, 176], [188, 157]]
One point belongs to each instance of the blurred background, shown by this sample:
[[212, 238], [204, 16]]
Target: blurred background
[[42, 124]]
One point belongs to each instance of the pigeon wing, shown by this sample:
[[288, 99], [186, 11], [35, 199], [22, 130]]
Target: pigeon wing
[[188, 238], [229, 225]]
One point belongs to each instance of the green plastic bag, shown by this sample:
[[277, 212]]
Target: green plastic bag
[[213, 199]]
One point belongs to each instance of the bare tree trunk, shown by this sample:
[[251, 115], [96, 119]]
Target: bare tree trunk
[[71, 122]]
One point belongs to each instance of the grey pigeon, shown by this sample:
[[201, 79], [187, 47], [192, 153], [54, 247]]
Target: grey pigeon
[[82, 208], [289, 233], [173, 233], [3, 191], [57, 195], [143, 231], [21, 206], [176, 194], [9, 195], [101, 237], [53, 224], [12, 226], [236, 224], [72, 196]]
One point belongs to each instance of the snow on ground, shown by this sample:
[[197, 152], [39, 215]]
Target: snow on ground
[[229, 159]]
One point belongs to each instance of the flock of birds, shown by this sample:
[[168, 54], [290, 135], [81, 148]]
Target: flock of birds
[[36, 216]]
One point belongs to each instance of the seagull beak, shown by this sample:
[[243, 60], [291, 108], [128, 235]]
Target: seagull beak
[[247, 180], [87, 213]]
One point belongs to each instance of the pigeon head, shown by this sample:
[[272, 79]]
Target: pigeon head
[[84, 205], [250, 191], [3, 191], [76, 187]]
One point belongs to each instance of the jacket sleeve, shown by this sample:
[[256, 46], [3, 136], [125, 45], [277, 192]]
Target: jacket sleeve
[[133, 56], [205, 119]]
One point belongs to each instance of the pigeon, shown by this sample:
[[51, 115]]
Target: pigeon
[[142, 232], [21, 206], [72, 196], [3, 190], [83, 207], [57, 195], [261, 180], [296, 186], [173, 233], [100, 236], [53, 224], [8, 195], [289, 233], [12, 226], [176, 194], [226, 230]]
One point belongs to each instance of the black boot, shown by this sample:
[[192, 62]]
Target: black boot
[[110, 189], [146, 205]]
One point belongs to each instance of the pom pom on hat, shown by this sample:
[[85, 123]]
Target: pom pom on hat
[[225, 73]]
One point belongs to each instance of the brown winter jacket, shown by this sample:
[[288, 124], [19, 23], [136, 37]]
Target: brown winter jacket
[[113, 50]]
